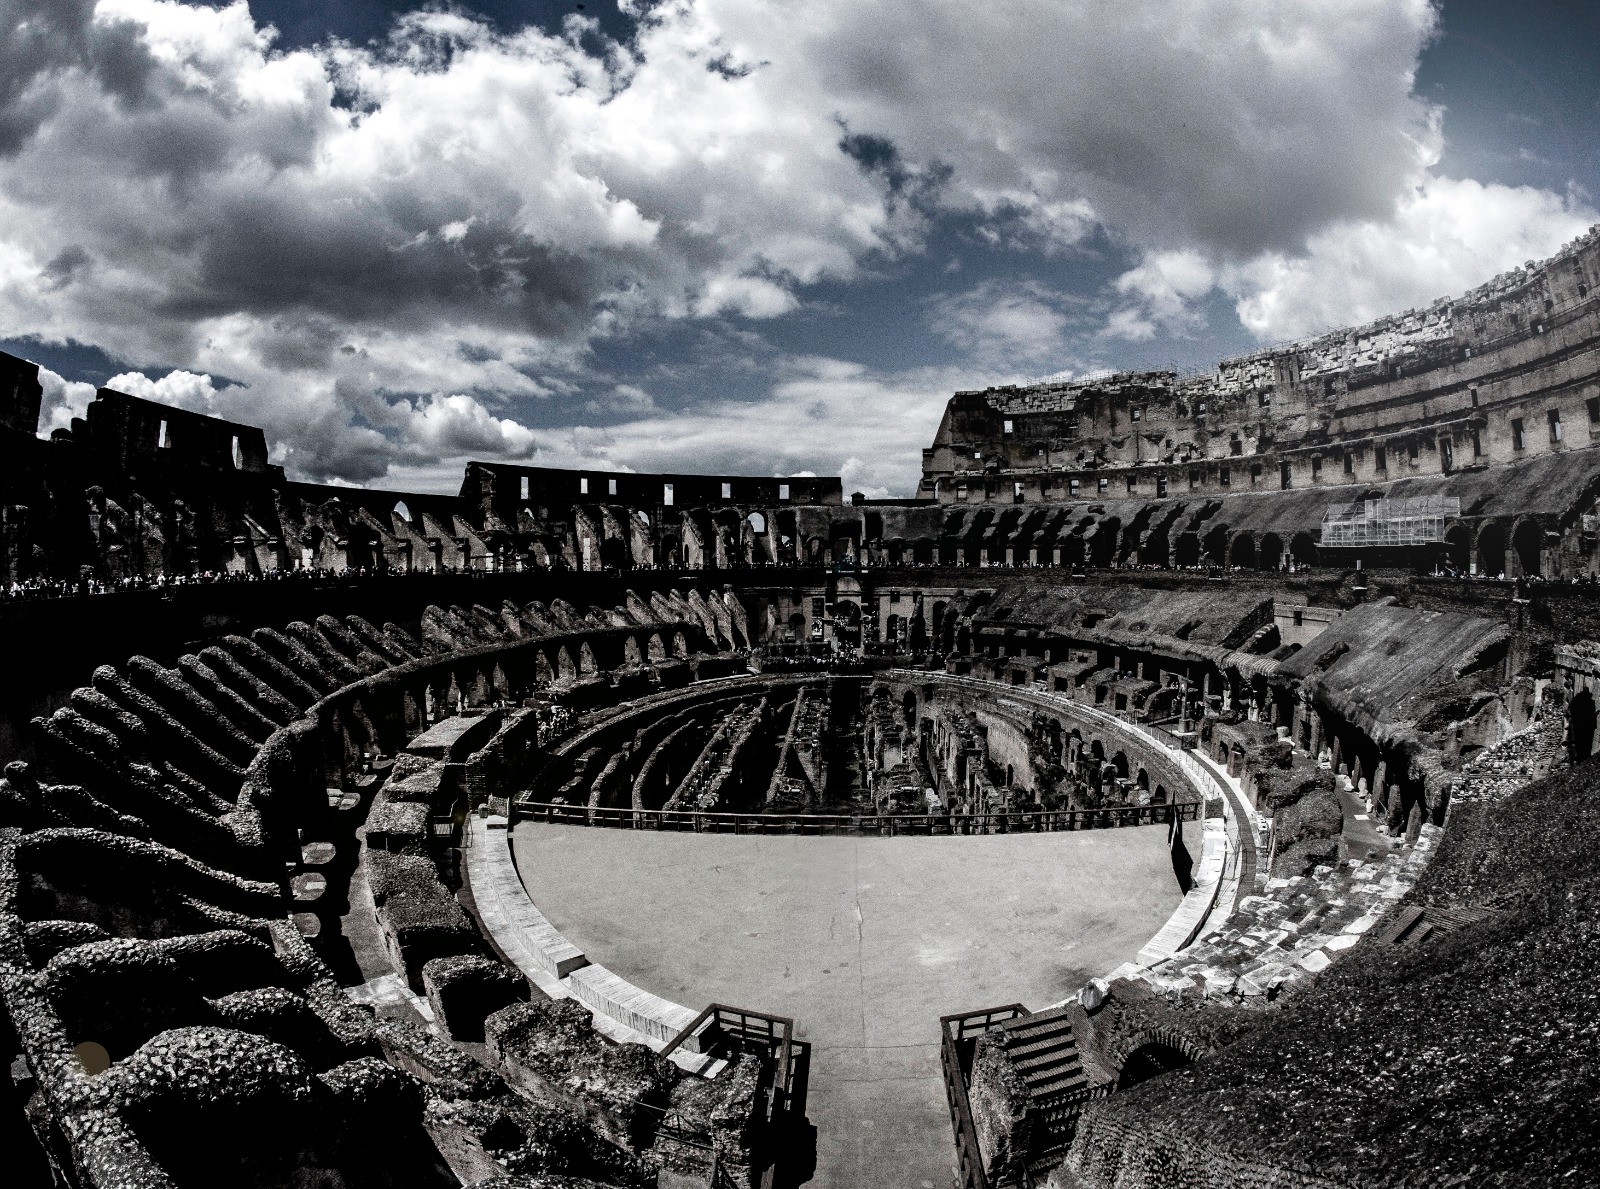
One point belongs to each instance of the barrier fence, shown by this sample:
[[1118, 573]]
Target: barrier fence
[[731, 1029], [958, 1039], [697, 821]]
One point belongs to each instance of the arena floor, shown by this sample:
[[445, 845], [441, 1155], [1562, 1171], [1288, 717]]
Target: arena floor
[[866, 942]]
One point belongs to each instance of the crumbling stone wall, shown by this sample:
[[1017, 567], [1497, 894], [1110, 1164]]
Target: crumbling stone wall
[[144, 913]]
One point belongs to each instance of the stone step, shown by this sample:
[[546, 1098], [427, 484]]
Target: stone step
[[1040, 1022], [1039, 1065], [1045, 1051], [1404, 921], [1047, 1043], [1059, 1093]]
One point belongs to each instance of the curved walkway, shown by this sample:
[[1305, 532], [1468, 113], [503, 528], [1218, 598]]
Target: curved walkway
[[865, 941]]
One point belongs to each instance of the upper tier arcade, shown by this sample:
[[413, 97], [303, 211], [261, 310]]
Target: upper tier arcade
[[1497, 376]]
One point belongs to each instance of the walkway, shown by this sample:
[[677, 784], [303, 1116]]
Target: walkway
[[864, 941]]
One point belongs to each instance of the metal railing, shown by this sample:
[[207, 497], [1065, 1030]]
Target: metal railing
[[957, 1043], [738, 1029], [699, 821]]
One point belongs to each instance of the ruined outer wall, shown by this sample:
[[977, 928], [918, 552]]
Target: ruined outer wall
[[1417, 393]]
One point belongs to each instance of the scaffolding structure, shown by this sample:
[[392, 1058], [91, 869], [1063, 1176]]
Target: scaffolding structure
[[1378, 523]]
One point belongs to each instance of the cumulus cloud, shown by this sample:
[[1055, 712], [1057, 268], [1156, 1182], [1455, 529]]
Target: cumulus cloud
[[1445, 237], [62, 401], [1005, 324], [459, 426], [181, 389], [399, 253], [1161, 293], [819, 416], [623, 399]]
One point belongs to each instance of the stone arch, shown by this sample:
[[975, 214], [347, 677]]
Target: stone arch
[[1303, 549], [1581, 727], [500, 683], [586, 662], [654, 648], [1527, 541], [1154, 550], [1150, 1059], [1492, 548], [1216, 545], [543, 671], [1270, 554], [566, 668], [1103, 545], [1120, 763], [357, 730], [1243, 551], [1142, 779], [1458, 547], [1187, 551], [630, 652], [680, 646]]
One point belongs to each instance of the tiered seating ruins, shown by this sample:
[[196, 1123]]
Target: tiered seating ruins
[[1323, 623]]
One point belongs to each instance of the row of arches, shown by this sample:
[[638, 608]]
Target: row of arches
[[935, 715], [384, 712], [1517, 551]]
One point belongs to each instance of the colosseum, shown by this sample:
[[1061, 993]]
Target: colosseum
[[1186, 788]]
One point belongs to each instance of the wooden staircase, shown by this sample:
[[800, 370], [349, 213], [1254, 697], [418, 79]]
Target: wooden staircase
[[1413, 925], [1044, 1050]]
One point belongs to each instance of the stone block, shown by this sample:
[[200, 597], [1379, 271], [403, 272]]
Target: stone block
[[398, 826], [550, 1050], [466, 988]]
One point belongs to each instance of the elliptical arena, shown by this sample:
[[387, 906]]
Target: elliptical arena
[[1188, 787]]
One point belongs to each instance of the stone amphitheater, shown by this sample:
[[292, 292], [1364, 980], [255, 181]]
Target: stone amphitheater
[[1189, 786]]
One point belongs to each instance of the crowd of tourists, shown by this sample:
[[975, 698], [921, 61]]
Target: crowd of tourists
[[27, 589]]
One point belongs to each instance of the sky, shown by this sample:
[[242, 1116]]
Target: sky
[[743, 236]]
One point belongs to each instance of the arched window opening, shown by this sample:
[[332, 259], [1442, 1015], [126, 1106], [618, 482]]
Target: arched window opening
[[1148, 1061], [1581, 728]]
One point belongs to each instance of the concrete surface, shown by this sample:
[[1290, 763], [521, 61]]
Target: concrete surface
[[866, 942]]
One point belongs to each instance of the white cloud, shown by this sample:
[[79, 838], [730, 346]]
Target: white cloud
[[181, 389], [1446, 236], [1005, 325], [621, 400], [1443, 237], [63, 400], [460, 426], [819, 416], [1161, 292]]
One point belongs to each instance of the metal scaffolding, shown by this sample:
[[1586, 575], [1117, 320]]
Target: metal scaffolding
[[1389, 522]]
